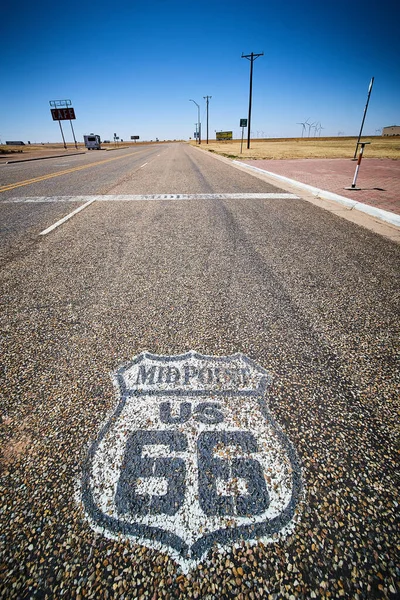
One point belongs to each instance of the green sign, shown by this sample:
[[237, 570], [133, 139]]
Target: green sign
[[243, 122]]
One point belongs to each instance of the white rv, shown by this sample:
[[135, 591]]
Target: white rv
[[92, 141]]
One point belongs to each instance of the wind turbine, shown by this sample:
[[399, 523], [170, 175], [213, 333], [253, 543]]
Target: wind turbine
[[303, 128], [316, 127], [309, 128]]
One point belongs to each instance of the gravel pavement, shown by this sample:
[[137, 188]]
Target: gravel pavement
[[310, 299]]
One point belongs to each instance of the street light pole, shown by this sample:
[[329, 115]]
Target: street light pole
[[198, 117]]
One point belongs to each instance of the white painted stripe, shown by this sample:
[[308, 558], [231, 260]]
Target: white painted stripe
[[383, 215], [144, 165], [244, 196], [39, 199], [61, 221], [141, 197]]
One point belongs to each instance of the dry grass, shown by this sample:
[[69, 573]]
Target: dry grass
[[339, 147], [29, 148]]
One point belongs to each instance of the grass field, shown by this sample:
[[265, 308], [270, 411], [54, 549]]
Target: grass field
[[338, 147]]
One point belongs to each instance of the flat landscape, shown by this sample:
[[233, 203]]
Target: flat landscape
[[312, 147], [274, 148]]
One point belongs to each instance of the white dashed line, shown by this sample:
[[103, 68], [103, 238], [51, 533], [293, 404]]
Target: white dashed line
[[144, 197], [144, 165]]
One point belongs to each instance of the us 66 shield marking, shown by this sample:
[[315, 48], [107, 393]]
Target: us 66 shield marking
[[191, 457]]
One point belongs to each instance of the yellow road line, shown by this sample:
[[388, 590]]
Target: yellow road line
[[11, 186]]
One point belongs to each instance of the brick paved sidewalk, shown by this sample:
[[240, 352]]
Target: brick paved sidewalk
[[379, 179]]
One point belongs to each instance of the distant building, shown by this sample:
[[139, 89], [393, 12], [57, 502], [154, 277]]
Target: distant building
[[392, 130]]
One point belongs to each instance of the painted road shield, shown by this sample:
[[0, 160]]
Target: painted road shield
[[191, 457]]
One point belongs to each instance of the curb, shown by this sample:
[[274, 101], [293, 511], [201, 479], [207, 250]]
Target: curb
[[381, 214], [10, 162]]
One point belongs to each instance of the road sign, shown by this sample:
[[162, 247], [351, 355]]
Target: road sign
[[62, 114], [224, 135], [191, 457], [134, 137], [243, 122]]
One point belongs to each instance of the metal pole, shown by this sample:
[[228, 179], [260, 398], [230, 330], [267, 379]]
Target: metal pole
[[371, 83], [73, 133], [198, 117], [62, 133], [198, 109], [353, 185]]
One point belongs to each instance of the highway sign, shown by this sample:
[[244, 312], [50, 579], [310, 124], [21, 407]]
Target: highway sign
[[243, 122]]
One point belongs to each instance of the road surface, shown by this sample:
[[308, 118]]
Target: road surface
[[200, 386]]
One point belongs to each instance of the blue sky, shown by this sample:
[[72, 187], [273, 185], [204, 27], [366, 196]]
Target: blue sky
[[130, 67]]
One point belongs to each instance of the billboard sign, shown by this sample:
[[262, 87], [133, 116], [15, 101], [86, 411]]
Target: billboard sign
[[224, 135], [62, 114], [134, 137]]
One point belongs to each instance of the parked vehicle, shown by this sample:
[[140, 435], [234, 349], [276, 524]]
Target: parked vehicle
[[92, 141]]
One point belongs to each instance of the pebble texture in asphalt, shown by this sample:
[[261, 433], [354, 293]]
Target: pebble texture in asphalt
[[311, 298]]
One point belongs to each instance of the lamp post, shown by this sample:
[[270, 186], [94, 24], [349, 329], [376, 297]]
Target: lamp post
[[198, 119]]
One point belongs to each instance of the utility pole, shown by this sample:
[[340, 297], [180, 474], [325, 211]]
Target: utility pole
[[251, 57], [206, 98]]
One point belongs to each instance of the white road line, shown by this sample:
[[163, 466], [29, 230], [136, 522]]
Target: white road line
[[145, 197], [144, 165], [61, 221]]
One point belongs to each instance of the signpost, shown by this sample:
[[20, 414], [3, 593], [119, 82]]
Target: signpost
[[371, 83], [243, 124], [63, 111], [134, 137], [353, 185]]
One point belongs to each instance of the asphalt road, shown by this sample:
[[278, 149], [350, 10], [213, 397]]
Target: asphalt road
[[220, 264]]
